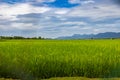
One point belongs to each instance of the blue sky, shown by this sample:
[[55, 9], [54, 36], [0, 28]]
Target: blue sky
[[54, 18]]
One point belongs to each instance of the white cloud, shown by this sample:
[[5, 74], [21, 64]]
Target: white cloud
[[82, 2], [75, 23], [96, 12], [23, 26], [18, 26], [88, 2], [45, 0], [11, 11], [96, 30], [62, 11], [87, 28]]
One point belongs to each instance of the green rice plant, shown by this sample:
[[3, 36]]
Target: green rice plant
[[30, 59]]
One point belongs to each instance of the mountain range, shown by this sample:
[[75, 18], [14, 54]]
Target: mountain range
[[93, 36]]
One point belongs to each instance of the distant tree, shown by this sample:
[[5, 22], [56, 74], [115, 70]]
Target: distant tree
[[39, 37], [34, 38], [92, 38], [19, 37]]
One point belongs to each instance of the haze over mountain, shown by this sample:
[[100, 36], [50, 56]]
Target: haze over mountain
[[92, 36]]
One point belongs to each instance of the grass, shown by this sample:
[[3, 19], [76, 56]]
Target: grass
[[30, 59]]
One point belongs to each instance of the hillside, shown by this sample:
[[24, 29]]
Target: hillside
[[92, 36]]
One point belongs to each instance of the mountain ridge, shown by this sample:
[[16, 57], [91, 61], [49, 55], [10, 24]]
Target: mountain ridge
[[92, 36]]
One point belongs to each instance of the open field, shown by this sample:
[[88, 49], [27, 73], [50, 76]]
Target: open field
[[30, 59]]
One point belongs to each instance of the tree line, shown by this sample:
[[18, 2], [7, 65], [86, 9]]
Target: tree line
[[19, 37]]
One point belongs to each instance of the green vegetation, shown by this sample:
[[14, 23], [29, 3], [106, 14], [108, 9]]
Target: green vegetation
[[30, 59]]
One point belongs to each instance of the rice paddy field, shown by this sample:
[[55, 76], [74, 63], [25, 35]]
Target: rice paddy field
[[33, 59]]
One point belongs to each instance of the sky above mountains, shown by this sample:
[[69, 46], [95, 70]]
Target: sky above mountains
[[53, 18]]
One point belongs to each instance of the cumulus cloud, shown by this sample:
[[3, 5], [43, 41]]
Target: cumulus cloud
[[96, 12], [8, 11]]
